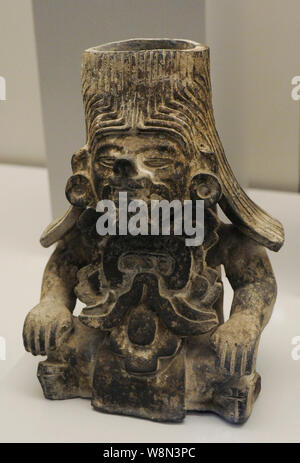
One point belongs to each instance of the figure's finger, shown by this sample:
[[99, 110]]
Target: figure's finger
[[47, 337], [41, 341], [65, 327], [218, 348], [250, 361], [223, 351], [231, 365], [65, 330], [215, 340], [244, 361], [52, 337], [227, 358], [238, 361], [25, 337], [32, 342]]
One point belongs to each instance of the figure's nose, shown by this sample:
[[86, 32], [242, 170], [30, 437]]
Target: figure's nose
[[124, 167]]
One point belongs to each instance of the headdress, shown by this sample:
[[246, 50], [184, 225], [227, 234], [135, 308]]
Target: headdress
[[146, 85]]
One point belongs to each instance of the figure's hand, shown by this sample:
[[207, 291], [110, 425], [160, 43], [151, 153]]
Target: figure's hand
[[235, 344], [46, 326]]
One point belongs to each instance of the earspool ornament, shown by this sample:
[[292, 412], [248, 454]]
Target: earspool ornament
[[79, 191], [206, 186]]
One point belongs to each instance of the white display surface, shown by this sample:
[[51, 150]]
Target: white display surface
[[26, 416]]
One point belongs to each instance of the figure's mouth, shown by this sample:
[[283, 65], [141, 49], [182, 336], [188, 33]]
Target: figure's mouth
[[142, 188], [127, 184], [113, 192]]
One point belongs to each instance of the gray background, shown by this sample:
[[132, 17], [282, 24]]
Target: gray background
[[64, 28], [254, 57]]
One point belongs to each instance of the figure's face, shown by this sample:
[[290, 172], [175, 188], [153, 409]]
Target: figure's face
[[146, 166]]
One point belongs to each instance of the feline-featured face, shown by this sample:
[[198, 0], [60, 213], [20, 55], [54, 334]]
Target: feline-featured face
[[146, 166]]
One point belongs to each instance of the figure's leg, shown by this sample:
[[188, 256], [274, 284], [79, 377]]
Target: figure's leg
[[58, 380], [211, 388], [68, 371], [234, 398]]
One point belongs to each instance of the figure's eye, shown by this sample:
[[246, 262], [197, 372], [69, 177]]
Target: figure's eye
[[106, 161], [157, 162]]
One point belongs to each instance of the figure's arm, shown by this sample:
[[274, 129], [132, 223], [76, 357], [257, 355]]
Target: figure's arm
[[59, 278], [48, 323], [250, 274]]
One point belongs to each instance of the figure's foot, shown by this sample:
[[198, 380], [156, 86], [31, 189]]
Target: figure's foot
[[68, 371], [234, 400], [58, 380]]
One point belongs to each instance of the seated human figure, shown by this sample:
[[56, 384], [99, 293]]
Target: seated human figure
[[151, 340]]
